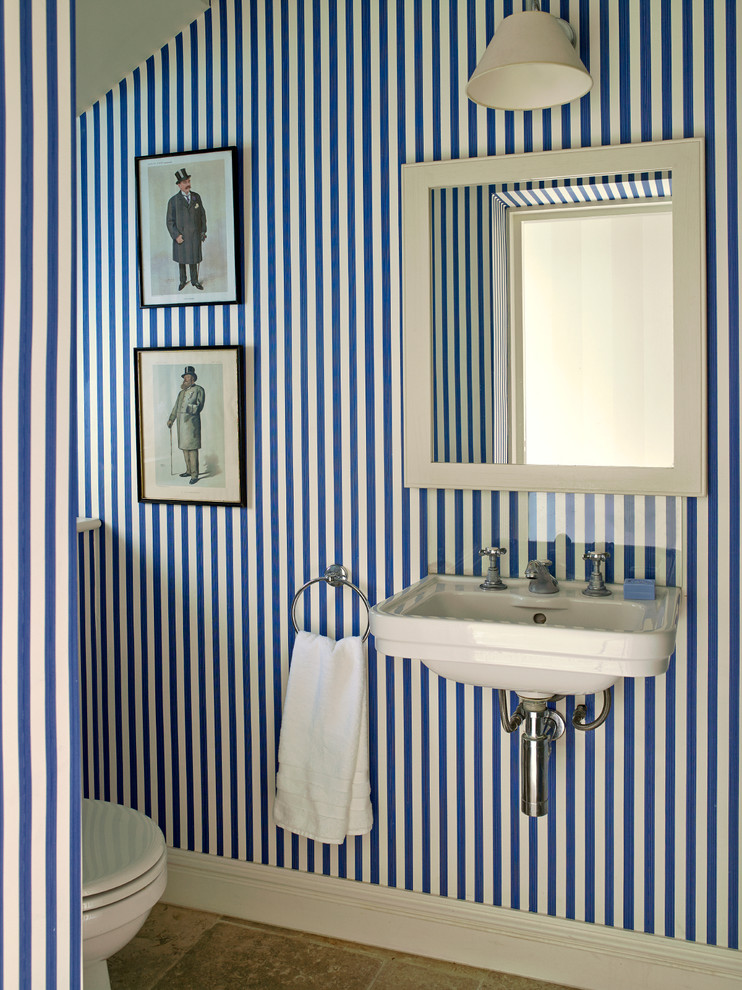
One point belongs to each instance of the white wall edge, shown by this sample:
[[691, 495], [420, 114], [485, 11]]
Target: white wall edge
[[591, 957]]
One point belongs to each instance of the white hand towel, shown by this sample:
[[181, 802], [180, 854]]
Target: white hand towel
[[322, 785]]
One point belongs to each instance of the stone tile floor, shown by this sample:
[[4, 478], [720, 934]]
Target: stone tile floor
[[180, 949]]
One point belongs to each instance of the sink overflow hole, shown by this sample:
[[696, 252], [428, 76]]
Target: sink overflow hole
[[540, 618]]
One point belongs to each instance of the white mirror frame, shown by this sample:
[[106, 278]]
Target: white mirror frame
[[684, 159]]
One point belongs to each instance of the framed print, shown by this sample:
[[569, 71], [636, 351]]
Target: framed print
[[189, 425], [186, 207]]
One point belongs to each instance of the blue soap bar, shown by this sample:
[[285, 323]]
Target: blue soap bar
[[639, 589]]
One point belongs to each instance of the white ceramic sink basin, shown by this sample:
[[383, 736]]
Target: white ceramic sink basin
[[537, 645]]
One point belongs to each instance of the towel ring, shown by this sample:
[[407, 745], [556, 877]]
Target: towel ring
[[336, 575]]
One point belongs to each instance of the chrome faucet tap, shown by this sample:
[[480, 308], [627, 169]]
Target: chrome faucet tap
[[493, 581], [542, 580], [596, 586]]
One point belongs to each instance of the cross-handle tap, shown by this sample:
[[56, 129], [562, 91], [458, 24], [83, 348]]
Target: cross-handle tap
[[493, 581], [596, 587], [542, 581]]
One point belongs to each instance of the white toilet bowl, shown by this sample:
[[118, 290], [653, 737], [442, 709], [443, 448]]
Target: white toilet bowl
[[124, 870]]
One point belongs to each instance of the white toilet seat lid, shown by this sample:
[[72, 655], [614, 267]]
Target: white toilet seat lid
[[126, 891], [118, 845]]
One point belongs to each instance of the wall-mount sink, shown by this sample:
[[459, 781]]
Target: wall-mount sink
[[536, 645]]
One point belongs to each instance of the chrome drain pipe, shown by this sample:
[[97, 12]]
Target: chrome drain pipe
[[541, 727]]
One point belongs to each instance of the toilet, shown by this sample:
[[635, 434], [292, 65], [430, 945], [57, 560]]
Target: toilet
[[124, 870]]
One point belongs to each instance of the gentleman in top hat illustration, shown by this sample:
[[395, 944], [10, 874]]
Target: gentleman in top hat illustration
[[187, 413], [186, 224]]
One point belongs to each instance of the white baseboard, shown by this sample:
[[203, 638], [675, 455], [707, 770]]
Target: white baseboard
[[574, 953]]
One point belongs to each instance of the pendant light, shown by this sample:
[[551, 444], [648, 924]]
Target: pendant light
[[529, 64]]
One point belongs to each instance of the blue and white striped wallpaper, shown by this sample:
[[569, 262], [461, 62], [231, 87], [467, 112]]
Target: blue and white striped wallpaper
[[40, 753], [186, 626]]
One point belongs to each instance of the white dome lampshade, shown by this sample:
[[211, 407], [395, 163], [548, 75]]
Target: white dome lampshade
[[529, 64]]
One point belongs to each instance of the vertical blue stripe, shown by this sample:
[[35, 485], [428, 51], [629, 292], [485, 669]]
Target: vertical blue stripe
[[456, 333], [180, 94], [271, 351], [407, 683], [113, 444], [151, 95], [570, 814], [462, 774], [102, 775], [195, 141], [223, 68], [434, 16], [624, 76], [629, 798], [52, 723], [713, 486], [158, 810], [370, 389], [645, 71], [26, 314], [356, 465], [590, 815], [584, 50], [688, 109], [605, 88], [453, 47], [478, 808], [471, 64], [209, 76], [497, 822], [388, 510], [732, 191], [426, 812], [418, 74], [174, 676], [234, 817], [391, 750], [260, 528], [514, 810], [190, 755], [127, 287], [407, 770], [217, 661], [691, 708], [670, 843], [287, 305], [533, 864], [164, 76], [666, 70], [442, 787], [75, 776]]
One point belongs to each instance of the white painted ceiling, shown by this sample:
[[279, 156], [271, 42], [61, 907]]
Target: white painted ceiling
[[114, 37]]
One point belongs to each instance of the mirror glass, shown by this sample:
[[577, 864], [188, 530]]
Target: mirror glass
[[489, 250], [562, 313]]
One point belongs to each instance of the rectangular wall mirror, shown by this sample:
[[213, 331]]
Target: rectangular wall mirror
[[557, 303]]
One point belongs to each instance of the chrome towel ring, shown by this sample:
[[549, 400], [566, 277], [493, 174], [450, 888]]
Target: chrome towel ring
[[336, 575]]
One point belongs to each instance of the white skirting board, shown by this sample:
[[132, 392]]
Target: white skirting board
[[574, 953]]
